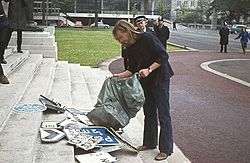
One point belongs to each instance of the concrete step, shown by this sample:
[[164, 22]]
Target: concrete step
[[60, 91], [48, 51], [33, 40], [31, 34], [94, 78], [14, 60], [8, 52], [19, 132], [38, 42], [19, 80], [81, 99]]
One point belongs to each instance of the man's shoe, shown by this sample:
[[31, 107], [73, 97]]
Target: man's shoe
[[20, 51], [161, 156], [4, 79], [144, 147], [4, 61]]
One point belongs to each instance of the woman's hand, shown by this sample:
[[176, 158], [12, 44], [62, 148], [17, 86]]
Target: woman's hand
[[144, 72], [116, 75]]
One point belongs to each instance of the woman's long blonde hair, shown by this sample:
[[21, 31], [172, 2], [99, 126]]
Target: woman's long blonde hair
[[124, 26]]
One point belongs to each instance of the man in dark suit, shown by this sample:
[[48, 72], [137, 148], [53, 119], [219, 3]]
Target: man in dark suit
[[162, 32], [224, 32]]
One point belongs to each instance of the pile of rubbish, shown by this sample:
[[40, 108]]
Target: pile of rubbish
[[97, 141], [99, 131]]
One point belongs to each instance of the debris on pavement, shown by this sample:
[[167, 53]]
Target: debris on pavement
[[96, 141], [52, 105], [99, 157], [51, 135]]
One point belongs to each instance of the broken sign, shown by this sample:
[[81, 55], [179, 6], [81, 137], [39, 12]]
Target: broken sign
[[51, 135], [50, 124], [107, 137], [99, 157]]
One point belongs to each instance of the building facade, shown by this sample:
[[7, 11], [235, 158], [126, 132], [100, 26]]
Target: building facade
[[115, 8]]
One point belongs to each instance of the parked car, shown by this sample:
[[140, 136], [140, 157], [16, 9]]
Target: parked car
[[236, 28], [100, 25], [248, 29], [63, 23], [78, 24]]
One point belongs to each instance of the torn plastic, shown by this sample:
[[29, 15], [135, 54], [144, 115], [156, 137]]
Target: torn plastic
[[118, 101]]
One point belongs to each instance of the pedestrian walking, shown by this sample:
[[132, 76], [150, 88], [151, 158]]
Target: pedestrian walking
[[17, 20], [148, 57], [174, 26], [3, 31], [162, 32], [244, 36], [224, 32]]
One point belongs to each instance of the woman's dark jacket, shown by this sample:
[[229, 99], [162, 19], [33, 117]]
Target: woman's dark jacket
[[3, 19], [143, 53], [17, 14]]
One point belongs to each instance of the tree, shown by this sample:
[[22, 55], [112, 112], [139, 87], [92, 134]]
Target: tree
[[96, 13], [134, 11], [64, 5], [202, 9], [163, 8], [187, 15], [232, 9]]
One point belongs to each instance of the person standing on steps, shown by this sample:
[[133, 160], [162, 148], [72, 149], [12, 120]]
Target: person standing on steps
[[148, 57], [17, 20], [4, 24], [244, 36], [224, 32]]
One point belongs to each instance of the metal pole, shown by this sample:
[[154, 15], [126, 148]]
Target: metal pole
[[75, 7], [47, 12]]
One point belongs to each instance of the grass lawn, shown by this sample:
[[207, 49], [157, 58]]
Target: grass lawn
[[87, 46]]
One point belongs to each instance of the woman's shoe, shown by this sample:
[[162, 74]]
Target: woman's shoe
[[161, 156], [4, 79], [144, 147], [4, 61]]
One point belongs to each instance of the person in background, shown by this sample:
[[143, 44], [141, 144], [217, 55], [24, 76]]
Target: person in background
[[162, 32], [244, 36], [3, 31], [174, 26], [17, 20], [224, 32], [148, 57], [141, 22]]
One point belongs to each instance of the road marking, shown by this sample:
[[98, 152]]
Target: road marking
[[205, 66]]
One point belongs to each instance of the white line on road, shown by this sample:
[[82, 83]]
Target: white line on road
[[206, 67]]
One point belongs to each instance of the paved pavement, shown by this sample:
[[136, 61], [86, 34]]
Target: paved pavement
[[210, 105]]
